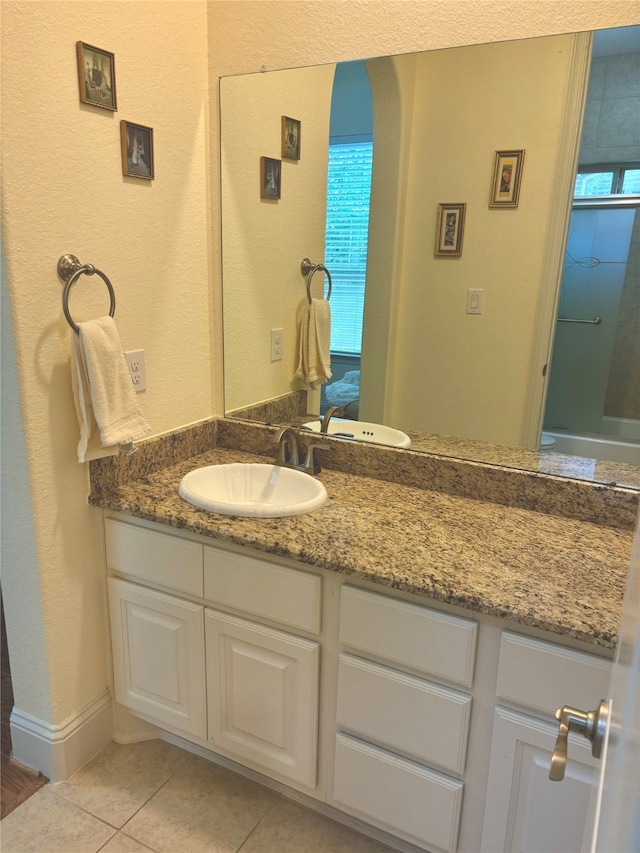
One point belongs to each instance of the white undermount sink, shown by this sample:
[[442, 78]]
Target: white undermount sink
[[252, 489], [364, 431]]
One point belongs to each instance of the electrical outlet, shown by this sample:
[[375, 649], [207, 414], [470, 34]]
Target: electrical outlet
[[276, 344], [135, 361]]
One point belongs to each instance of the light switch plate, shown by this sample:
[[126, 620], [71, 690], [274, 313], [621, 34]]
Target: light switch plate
[[475, 298]]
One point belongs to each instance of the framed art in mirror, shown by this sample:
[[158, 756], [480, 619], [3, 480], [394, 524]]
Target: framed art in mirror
[[270, 178], [137, 150], [450, 230], [96, 76], [507, 174], [291, 128]]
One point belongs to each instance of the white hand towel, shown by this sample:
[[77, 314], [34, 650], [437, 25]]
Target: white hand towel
[[109, 414], [314, 366]]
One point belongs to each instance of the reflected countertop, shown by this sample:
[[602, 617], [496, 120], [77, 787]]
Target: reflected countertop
[[542, 461]]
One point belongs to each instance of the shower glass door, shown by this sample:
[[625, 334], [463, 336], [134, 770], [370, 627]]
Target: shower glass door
[[592, 285]]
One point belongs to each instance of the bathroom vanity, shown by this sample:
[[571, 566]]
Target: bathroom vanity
[[393, 659]]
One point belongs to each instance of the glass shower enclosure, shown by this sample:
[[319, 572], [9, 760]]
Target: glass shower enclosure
[[594, 383]]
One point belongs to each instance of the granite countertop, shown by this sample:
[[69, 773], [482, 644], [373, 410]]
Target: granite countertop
[[533, 568]]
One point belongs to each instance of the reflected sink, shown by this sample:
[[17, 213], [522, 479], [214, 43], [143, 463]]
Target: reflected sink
[[253, 490], [363, 431]]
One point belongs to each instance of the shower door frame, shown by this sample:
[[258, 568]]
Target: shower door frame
[[564, 181]]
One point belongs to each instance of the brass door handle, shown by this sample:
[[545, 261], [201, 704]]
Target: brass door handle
[[592, 724]]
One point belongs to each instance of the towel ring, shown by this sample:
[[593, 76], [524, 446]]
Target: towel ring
[[70, 269], [313, 271]]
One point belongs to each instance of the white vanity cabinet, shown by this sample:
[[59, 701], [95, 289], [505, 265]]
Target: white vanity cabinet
[[525, 811], [402, 735], [250, 690], [262, 682], [223, 646], [157, 639]]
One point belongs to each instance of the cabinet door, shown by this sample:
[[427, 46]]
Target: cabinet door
[[525, 811], [158, 656], [263, 696]]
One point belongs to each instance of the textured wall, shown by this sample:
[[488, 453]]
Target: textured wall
[[63, 191]]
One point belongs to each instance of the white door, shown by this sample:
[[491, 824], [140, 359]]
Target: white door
[[613, 825]]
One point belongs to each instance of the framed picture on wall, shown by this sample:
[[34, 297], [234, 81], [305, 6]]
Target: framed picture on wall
[[290, 138], [507, 174], [270, 177], [136, 142], [96, 76], [450, 229]]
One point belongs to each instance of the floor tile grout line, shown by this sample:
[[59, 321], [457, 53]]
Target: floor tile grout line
[[97, 817], [76, 806], [146, 803], [278, 798], [133, 814], [109, 840]]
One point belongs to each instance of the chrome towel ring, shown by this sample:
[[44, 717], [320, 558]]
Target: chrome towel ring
[[70, 269], [309, 269]]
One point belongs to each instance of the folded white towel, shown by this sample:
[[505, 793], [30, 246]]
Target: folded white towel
[[314, 366], [109, 414]]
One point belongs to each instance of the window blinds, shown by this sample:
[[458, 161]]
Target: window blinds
[[348, 195]]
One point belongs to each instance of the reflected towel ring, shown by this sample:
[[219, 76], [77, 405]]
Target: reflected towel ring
[[70, 269], [315, 269]]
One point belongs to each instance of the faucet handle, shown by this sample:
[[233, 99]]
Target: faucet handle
[[311, 465]]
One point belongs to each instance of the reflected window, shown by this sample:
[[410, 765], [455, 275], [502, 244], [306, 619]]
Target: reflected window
[[598, 181], [348, 196]]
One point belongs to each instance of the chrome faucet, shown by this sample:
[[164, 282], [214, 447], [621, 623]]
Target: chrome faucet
[[288, 454], [332, 411], [288, 447]]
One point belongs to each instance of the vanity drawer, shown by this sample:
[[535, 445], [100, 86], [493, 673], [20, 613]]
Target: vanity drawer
[[406, 634], [155, 557], [260, 588], [396, 794], [544, 677], [403, 712]]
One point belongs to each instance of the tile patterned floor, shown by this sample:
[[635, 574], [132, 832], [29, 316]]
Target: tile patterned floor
[[152, 796]]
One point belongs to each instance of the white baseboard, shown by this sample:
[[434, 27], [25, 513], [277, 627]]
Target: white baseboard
[[58, 751]]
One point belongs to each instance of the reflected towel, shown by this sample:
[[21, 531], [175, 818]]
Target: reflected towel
[[314, 366], [109, 414]]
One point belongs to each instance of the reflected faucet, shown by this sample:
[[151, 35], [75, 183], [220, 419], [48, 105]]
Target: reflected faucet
[[332, 411], [288, 454]]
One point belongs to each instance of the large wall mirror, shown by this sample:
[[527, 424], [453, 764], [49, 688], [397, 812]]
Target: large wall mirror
[[488, 384]]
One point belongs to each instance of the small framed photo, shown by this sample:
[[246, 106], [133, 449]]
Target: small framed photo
[[137, 150], [290, 138], [270, 177], [507, 174], [96, 76], [450, 230]]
